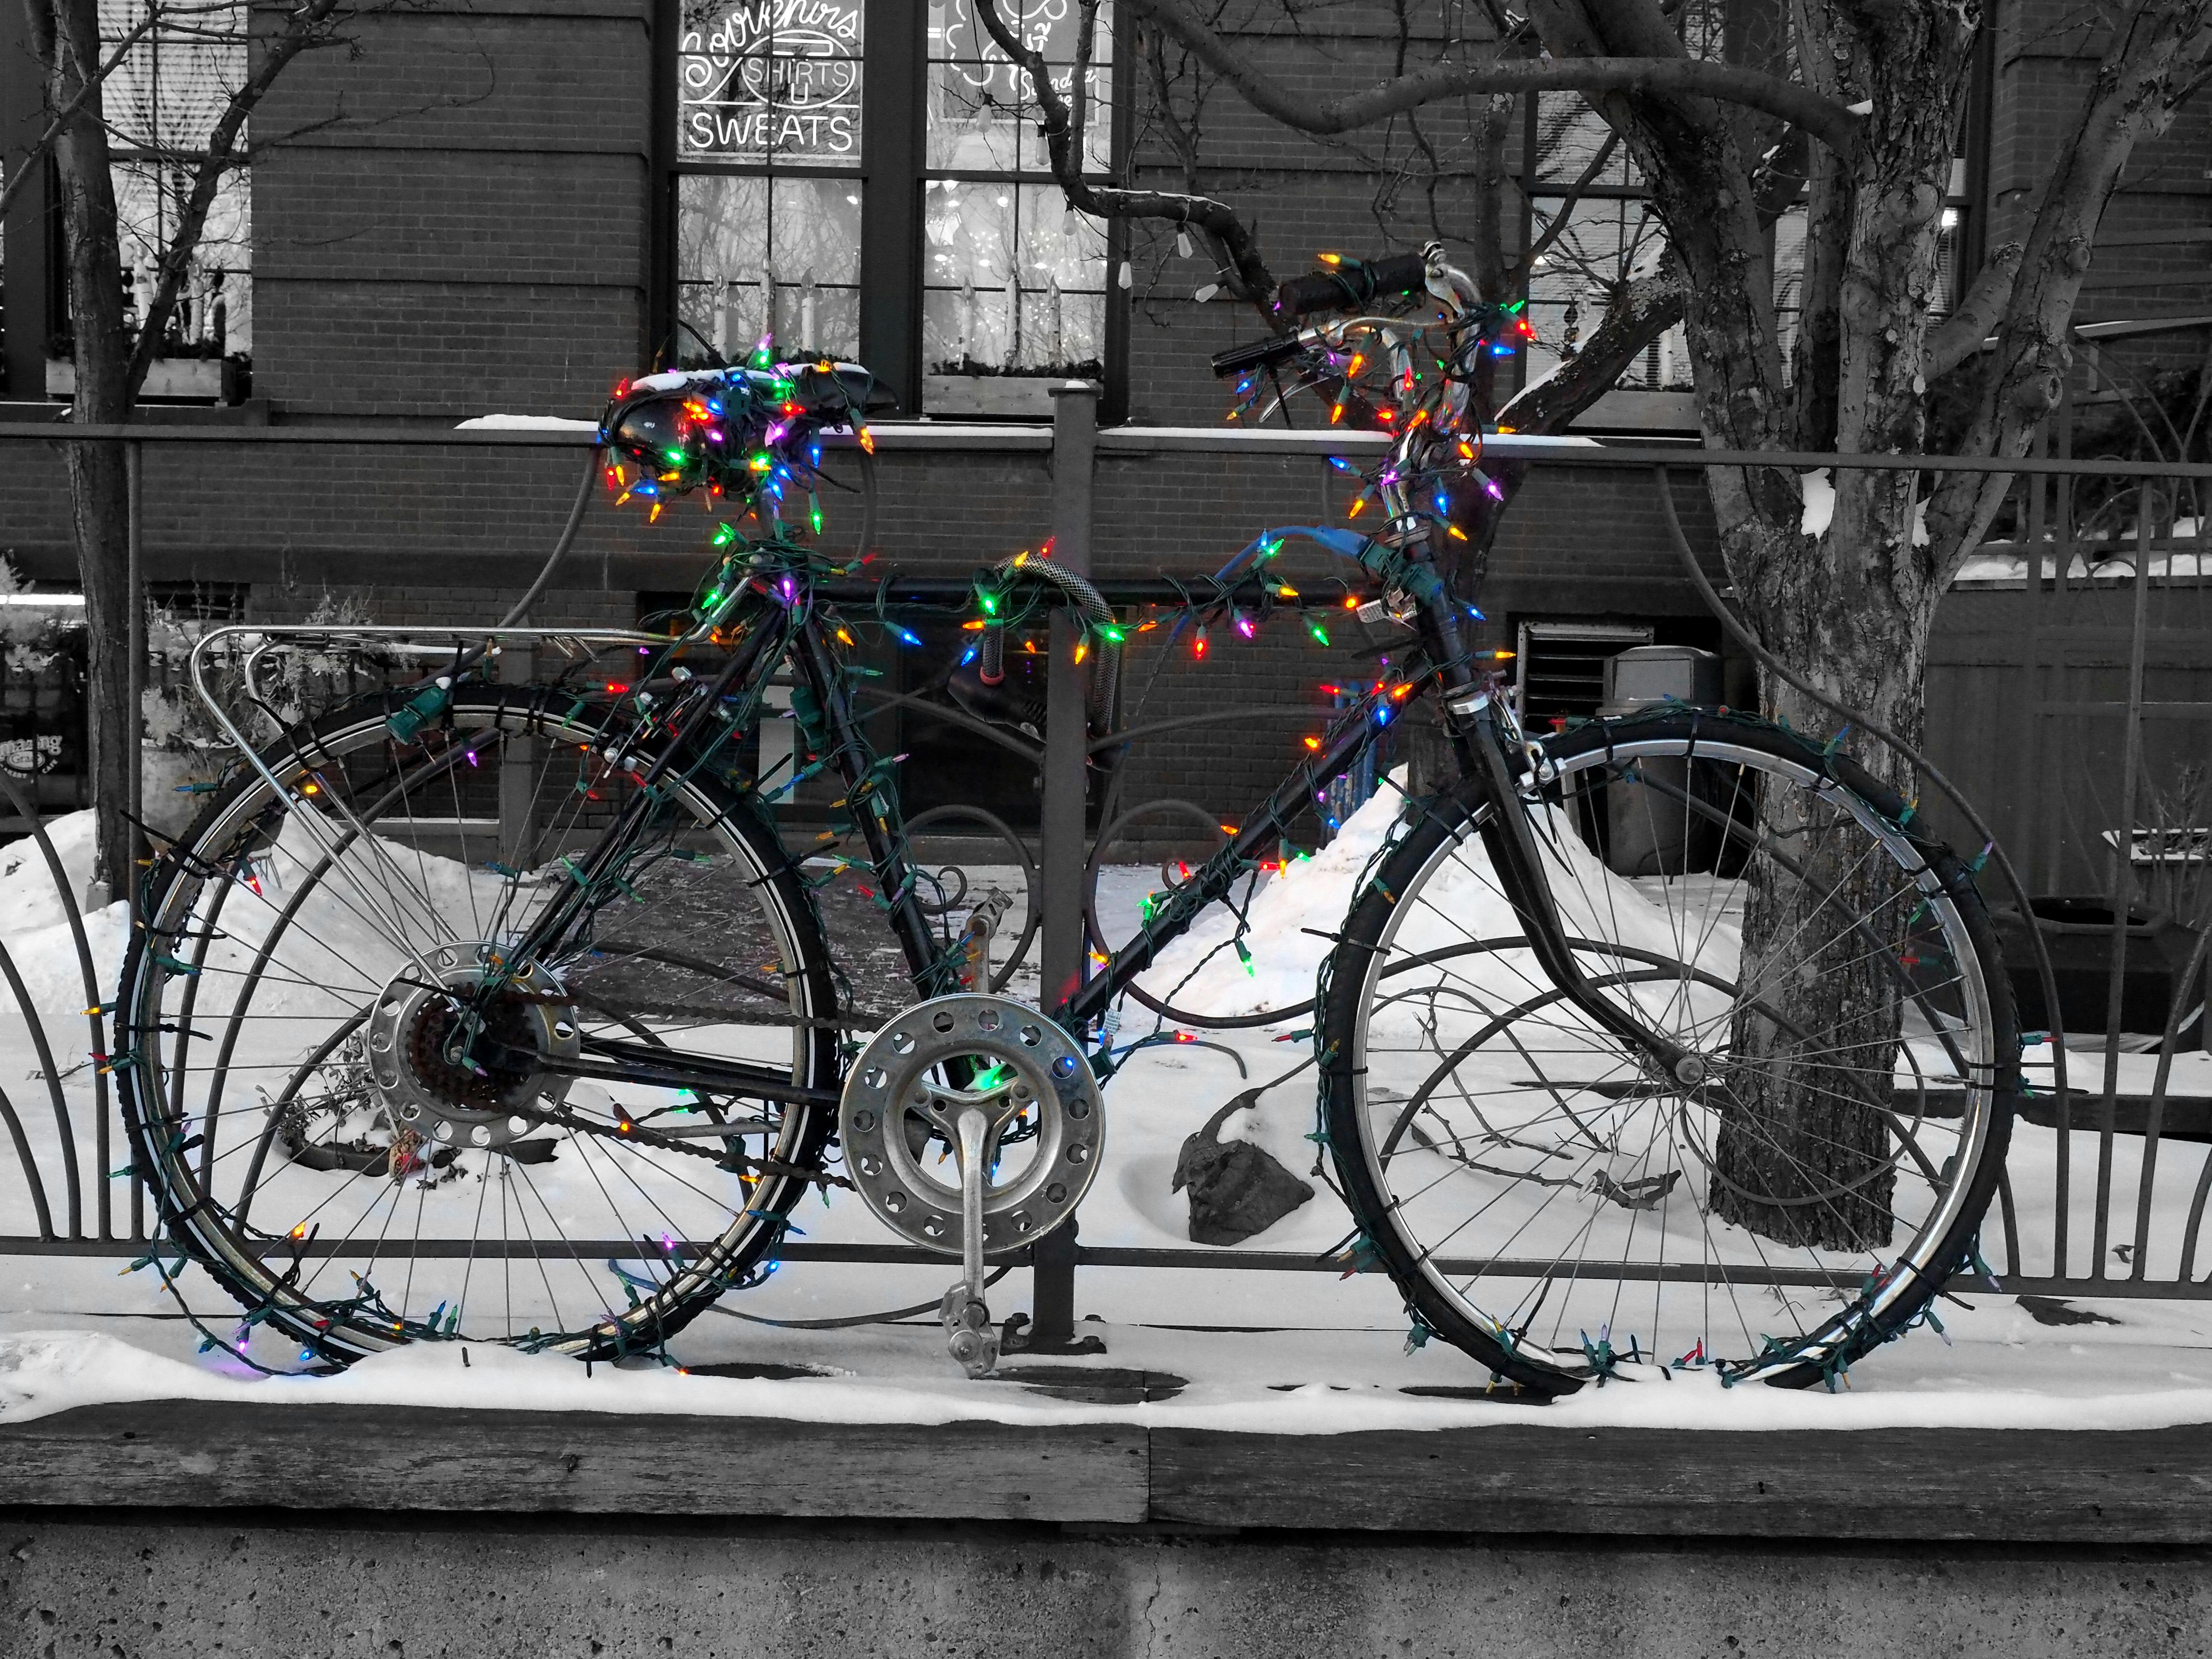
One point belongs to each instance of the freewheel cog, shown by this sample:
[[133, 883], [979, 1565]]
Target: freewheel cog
[[898, 1120], [428, 1071]]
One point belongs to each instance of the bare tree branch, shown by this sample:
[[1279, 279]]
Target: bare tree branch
[[1238, 252], [1182, 139], [1541, 243], [2152, 59], [309, 25], [26, 164], [1961, 334], [1637, 312], [1832, 123]]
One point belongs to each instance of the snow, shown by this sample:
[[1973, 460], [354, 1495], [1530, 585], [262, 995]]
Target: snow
[[35, 927], [1996, 566], [1305, 1352], [1819, 502], [1820, 496], [1504, 443], [524, 423], [2004, 1369]]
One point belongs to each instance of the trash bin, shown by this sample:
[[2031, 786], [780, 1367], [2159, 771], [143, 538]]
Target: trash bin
[[1650, 829], [2077, 931]]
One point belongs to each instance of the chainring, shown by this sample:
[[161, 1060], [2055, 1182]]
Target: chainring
[[905, 1092]]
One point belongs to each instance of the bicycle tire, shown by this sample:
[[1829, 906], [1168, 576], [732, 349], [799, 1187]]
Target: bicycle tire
[[188, 1014], [1560, 1158]]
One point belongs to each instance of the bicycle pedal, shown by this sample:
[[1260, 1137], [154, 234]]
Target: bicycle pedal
[[971, 1338]]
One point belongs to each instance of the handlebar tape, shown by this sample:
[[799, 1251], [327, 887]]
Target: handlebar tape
[[1352, 284]]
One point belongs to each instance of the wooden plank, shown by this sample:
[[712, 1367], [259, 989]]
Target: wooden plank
[[2000, 1485], [198, 1454]]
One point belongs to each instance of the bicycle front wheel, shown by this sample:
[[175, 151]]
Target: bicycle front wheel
[[1551, 1201], [301, 1088]]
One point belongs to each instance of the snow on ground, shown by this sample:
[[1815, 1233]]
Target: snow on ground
[[1287, 1352], [2150, 1367]]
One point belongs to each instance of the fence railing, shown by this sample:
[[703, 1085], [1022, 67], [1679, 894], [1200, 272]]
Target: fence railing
[[2136, 711]]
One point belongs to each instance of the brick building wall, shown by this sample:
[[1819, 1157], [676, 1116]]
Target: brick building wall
[[451, 220], [457, 220], [2152, 257]]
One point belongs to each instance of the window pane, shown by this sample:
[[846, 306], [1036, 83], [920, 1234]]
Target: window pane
[[780, 256], [980, 114], [1600, 244], [215, 307], [166, 95], [762, 80], [1570, 137], [1016, 283], [1789, 278]]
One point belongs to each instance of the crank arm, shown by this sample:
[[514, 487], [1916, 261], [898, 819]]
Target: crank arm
[[967, 1318]]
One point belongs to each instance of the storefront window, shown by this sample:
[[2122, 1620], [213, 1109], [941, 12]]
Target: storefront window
[[768, 198], [1014, 282], [770, 81], [760, 256], [777, 163]]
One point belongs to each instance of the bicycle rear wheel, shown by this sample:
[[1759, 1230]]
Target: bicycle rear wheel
[[1550, 1201], [318, 1138]]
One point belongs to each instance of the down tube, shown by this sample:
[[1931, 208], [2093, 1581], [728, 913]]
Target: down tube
[[1347, 740]]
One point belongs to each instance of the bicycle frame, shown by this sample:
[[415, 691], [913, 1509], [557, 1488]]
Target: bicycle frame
[[773, 616], [1486, 742]]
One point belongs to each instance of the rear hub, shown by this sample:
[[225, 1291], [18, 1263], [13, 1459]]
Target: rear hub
[[448, 1060]]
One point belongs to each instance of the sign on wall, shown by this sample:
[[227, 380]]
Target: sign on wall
[[771, 80]]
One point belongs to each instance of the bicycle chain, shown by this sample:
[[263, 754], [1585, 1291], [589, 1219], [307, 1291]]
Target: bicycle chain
[[560, 1117]]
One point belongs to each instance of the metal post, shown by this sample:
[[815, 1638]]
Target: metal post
[[1065, 817], [134, 464], [133, 738], [1065, 958], [518, 764], [2123, 881]]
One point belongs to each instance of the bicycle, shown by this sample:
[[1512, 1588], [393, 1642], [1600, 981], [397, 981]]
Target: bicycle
[[1743, 1113]]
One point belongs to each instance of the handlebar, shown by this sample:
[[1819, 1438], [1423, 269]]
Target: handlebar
[[1349, 285]]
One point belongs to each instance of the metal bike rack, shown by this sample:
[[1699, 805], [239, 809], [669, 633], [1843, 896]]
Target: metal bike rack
[[95, 1224]]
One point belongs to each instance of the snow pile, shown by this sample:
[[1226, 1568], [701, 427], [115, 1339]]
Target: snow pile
[[1819, 497], [1819, 502], [1295, 915], [1290, 913], [34, 924]]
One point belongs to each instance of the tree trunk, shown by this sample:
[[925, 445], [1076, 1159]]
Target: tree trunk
[[1803, 1155], [98, 497]]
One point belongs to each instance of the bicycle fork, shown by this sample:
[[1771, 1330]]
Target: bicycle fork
[[1492, 755]]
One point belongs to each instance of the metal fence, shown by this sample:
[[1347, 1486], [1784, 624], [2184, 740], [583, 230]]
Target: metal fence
[[2097, 679]]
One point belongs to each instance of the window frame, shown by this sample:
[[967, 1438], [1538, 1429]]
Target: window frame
[[892, 177]]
